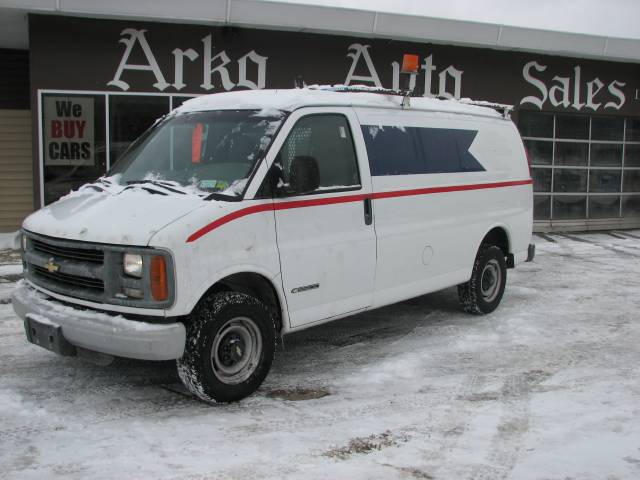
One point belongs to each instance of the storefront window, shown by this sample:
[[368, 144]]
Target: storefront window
[[129, 117], [607, 128], [604, 206], [580, 154], [541, 179], [533, 124], [632, 155], [632, 181], [572, 127], [606, 154], [570, 153], [542, 207], [569, 207], [570, 181], [74, 148], [631, 206], [604, 181], [177, 101], [540, 151], [632, 130]]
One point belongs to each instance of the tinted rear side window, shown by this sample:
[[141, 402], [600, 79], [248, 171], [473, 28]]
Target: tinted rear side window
[[415, 150]]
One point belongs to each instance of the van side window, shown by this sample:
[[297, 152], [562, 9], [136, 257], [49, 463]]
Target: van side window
[[397, 150], [325, 141]]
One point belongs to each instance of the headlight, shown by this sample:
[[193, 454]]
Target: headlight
[[23, 240], [132, 263]]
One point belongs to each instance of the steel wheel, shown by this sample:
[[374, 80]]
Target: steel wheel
[[490, 280], [483, 292], [236, 350]]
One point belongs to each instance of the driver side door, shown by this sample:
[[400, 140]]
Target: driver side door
[[325, 235]]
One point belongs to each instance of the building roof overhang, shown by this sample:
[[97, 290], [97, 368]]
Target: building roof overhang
[[304, 17]]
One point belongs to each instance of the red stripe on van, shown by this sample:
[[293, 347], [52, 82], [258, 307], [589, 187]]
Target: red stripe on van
[[316, 202]]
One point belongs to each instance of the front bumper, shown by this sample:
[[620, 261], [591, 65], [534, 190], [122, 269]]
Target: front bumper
[[102, 332]]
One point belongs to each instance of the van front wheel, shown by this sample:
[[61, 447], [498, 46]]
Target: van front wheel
[[230, 346], [483, 292]]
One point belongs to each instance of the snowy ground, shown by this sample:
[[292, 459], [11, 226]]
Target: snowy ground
[[547, 387]]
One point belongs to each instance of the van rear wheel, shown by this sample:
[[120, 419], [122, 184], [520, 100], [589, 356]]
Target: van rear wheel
[[230, 347], [483, 292]]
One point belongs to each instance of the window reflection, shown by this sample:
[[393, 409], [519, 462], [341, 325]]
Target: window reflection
[[607, 128], [542, 207], [604, 206], [606, 155], [540, 151], [572, 127], [604, 181], [631, 206], [631, 181], [632, 155], [569, 207], [571, 153], [129, 117], [534, 124], [541, 179], [570, 181]]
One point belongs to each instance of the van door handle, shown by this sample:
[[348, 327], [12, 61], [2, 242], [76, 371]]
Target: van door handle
[[368, 212]]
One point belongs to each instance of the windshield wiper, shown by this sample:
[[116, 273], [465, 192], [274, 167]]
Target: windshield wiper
[[146, 189], [157, 184], [223, 197]]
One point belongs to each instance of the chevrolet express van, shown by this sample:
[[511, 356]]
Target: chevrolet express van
[[243, 216]]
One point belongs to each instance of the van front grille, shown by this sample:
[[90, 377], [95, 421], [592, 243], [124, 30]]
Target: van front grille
[[69, 253], [69, 280]]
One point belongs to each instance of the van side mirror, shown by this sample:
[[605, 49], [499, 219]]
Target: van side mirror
[[304, 174]]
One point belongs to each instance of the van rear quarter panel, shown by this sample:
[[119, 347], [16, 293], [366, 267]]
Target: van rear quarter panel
[[428, 242]]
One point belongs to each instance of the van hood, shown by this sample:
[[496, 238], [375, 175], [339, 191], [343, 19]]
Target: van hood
[[129, 217]]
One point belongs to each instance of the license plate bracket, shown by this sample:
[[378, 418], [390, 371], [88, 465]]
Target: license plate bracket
[[49, 336]]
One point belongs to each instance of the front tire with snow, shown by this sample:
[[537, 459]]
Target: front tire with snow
[[230, 347], [483, 292]]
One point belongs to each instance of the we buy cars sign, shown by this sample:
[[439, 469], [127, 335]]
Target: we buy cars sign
[[69, 131]]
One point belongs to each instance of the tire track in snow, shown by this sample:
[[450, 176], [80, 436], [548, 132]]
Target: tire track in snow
[[507, 441], [135, 409], [612, 248], [455, 423]]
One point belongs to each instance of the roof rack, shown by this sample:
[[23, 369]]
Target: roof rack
[[502, 109], [360, 89]]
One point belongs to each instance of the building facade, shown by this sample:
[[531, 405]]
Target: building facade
[[94, 85]]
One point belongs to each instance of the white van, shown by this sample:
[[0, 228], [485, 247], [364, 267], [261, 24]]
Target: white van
[[244, 216]]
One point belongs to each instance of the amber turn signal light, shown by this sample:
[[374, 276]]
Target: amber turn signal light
[[159, 287]]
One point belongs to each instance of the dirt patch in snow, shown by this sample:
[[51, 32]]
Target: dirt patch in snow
[[9, 256], [412, 472], [369, 444], [297, 394], [11, 278]]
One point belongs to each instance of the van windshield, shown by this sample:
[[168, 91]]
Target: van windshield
[[213, 152]]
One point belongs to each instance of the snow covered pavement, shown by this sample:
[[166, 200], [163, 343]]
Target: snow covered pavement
[[547, 387]]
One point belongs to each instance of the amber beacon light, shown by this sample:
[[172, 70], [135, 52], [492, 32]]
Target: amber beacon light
[[410, 63], [159, 287]]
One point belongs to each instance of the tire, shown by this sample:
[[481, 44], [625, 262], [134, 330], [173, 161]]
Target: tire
[[483, 292], [229, 349]]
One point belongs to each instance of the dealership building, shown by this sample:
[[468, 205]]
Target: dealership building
[[81, 79]]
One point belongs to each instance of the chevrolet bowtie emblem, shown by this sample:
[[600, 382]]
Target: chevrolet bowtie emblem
[[51, 267]]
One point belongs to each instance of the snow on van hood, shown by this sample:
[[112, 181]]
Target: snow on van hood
[[270, 101], [116, 215]]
